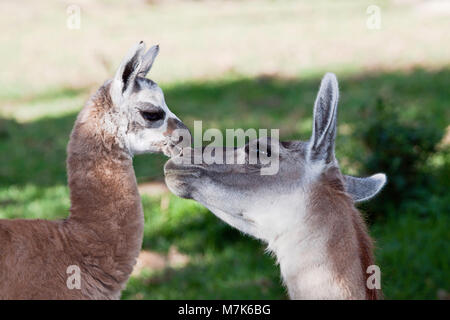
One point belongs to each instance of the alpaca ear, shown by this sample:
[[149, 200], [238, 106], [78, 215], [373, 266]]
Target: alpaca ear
[[124, 79], [147, 61], [362, 189], [321, 144]]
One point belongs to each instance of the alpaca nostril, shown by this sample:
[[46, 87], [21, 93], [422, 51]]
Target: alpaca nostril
[[177, 136]]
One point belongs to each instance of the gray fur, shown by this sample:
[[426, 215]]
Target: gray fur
[[236, 192], [363, 189], [132, 96], [129, 68], [325, 118], [147, 60], [302, 211]]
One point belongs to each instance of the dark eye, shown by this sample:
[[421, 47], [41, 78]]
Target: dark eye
[[267, 152], [153, 115]]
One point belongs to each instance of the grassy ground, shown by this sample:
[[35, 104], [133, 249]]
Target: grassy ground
[[232, 65]]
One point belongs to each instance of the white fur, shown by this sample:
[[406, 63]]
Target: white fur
[[146, 139], [150, 138], [299, 251], [277, 210]]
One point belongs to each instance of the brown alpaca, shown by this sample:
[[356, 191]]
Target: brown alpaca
[[103, 234], [304, 210]]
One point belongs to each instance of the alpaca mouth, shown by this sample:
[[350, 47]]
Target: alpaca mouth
[[182, 172], [180, 179], [171, 150]]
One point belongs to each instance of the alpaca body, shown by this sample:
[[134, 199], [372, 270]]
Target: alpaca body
[[304, 210], [102, 237], [26, 259]]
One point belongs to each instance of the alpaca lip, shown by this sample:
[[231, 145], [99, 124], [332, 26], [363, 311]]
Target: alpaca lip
[[171, 168], [171, 150], [181, 172]]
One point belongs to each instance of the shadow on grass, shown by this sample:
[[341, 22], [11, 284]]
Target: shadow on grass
[[224, 264], [238, 272], [34, 152]]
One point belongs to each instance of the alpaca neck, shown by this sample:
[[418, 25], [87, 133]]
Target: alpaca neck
[[103, 189], [324, 255], [106, 217]]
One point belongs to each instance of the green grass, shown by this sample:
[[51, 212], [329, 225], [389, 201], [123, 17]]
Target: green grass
[[412, 245], [413, 255], [223, 263]]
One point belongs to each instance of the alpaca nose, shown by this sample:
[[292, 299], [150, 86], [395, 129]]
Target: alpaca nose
[[179, 135], [175, 124]]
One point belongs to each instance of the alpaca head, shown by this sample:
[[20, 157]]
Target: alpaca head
[[266, 205], [130, 109]]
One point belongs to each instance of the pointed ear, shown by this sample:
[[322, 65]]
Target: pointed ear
[[321, 144], [124, 79], [147, 61], [362, 189]]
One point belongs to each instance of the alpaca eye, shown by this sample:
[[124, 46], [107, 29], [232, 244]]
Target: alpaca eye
[[153, 116], [258, 151], [267, 152]]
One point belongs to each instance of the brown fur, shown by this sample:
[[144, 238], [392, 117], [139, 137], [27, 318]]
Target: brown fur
[[103, 233], [349, 245]]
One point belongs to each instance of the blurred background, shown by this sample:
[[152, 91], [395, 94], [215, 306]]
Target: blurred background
[[242, 64]]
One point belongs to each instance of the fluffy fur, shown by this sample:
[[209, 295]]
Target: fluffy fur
[[325, 253], [102, 235], [305, 212]]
